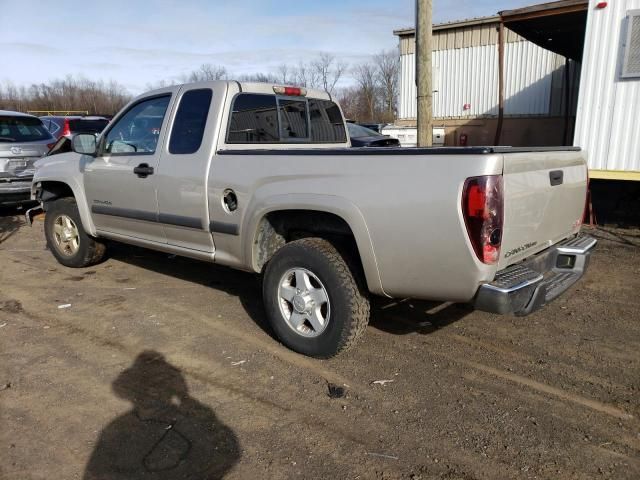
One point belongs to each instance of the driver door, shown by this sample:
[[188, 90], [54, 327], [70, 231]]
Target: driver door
[[120, 183]]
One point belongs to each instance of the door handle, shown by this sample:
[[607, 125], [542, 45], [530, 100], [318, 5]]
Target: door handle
[[143, 170]]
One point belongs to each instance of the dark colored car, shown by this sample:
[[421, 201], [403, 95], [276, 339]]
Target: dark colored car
[[365, 137], [68, 125], [376, 127]]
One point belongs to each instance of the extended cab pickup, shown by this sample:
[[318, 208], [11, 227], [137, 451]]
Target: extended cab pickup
[[262, 178]]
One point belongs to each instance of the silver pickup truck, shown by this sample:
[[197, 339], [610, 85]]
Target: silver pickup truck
[[262, 178]]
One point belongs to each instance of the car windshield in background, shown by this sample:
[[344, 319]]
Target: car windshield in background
[[82, 125], [22, 129], [360, 131]]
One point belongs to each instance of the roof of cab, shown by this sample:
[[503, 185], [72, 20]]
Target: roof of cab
[[255, 87], [250, 87]]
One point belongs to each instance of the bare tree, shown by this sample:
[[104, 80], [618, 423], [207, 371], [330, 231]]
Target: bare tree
[[388, 67], [366, 77], [65, 94], [306, 76], [285, 74], [207, 72], [328, 71], [259, 77]]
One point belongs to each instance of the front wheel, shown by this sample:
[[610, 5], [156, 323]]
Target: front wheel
[[313, 301], [66, 238]]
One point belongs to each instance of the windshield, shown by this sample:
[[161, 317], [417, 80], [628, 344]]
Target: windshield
[[22, 129], [360, 131]]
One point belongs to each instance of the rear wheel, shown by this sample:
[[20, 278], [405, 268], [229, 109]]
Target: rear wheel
[[66, 237], [314, 303]]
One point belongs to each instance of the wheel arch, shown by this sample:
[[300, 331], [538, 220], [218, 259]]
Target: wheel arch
[[282, 218], [47, 190]]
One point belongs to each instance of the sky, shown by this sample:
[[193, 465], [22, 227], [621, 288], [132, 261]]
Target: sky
[[142, 42]]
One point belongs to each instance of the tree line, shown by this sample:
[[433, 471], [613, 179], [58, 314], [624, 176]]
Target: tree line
[[94, 97], [370, 97]]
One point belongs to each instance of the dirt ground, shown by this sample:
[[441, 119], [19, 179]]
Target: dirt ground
[[150, 366]]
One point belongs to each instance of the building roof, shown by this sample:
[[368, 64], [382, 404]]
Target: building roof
[[544, 9], [469, 22]]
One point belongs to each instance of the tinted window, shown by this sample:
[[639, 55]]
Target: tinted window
[[55, 126], [360, 131], [22, 129], [293, 120], [83, 125], [138, 130], [254, 119], [327, 124], [188, 127]]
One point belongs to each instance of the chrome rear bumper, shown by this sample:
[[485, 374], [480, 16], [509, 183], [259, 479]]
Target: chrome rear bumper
[[528, 286]]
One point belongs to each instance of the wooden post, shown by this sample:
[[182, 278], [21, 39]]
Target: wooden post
[[500, 82], [424, 25]]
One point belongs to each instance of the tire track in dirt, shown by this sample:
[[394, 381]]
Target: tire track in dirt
[[540, 387]]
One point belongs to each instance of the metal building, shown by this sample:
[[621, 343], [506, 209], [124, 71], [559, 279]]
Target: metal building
[[465, 100], [594, 106]]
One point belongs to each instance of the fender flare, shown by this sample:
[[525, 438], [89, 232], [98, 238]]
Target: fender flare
[[335, 205], [78, 193]]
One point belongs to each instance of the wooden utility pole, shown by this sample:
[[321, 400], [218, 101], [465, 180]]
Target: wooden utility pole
[[424, 25]]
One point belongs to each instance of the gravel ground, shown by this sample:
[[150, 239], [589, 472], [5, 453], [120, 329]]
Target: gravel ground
[[150, 366]]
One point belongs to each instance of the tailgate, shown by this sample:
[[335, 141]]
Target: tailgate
[[544, 199]]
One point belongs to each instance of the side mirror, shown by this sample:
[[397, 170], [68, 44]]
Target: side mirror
[[84, 143]]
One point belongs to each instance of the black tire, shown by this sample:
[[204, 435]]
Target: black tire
[[89, 251], [349, 311]]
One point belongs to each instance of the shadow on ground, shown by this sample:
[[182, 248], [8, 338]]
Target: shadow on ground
[[10, 222], [166, 435], [11, 219], [398, 317]]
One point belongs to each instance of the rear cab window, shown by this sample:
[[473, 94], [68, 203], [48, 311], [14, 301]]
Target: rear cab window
[[14, 129], [258, 118]]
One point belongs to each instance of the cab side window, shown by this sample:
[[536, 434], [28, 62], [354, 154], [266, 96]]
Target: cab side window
[[188, 126], [138, 130]]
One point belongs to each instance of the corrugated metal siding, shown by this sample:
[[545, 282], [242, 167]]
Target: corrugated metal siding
[[470, 76], [608, 123], [467, 76], [407, 97], [528, 78]]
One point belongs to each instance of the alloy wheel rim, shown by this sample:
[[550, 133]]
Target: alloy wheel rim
[[304, 302], [66, 235]]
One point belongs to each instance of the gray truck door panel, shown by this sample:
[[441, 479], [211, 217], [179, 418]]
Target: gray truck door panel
[[121, 182], [184, 167]]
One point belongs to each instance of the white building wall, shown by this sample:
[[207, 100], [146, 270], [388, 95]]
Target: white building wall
[[470, 76], [608, 116]]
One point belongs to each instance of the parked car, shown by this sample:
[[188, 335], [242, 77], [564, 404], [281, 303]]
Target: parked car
[[66, 126], [23, 139], [261, 178], [365, 137], [376, 127]]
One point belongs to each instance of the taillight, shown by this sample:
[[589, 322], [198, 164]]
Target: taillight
[[66, 131], [482, 208], [291, 91]]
